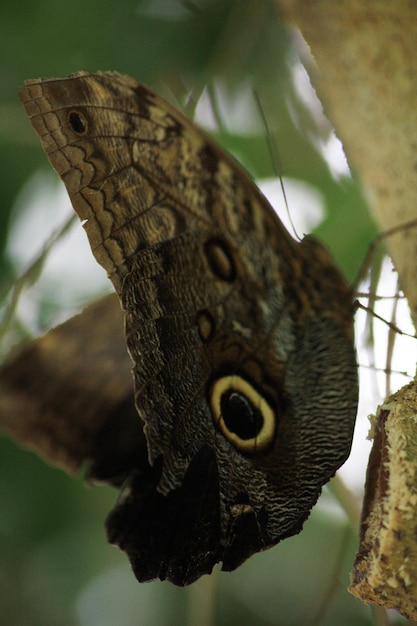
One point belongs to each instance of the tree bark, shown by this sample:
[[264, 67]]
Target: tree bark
[[365, 73]]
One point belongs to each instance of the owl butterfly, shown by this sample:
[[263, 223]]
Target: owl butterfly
[[241, 338]]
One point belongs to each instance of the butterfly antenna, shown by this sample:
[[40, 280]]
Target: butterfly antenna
[[275, 158]]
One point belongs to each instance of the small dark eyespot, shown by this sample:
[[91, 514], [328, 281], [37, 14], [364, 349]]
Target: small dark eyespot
[[220, 260], [77, 122], [206, 325]]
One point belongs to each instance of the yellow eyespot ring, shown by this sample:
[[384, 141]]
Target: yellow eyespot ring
[[242, 414]]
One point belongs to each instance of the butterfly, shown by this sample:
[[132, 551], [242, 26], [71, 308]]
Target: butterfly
[[241, 338]]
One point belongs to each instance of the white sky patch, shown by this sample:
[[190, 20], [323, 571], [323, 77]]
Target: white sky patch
[[307, 94], [325, 140], [41, 207], [334, 155], [70, 275], [305, 203], [237, 110]]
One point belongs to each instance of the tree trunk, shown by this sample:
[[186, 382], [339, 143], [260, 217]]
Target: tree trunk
[[365, 73]]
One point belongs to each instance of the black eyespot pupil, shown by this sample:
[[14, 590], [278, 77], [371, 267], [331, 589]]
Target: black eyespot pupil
[[240, 416], [77, 122]]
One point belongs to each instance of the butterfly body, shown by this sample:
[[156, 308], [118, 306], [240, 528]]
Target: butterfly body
[[241, 339]]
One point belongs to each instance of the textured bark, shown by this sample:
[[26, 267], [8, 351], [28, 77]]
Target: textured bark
[[385, 568], [365, 73]]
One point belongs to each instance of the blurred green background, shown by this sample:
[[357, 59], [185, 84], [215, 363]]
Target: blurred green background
[[55, 564]]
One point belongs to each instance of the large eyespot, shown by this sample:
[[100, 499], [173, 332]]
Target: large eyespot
[[78, 122], [242, 414]]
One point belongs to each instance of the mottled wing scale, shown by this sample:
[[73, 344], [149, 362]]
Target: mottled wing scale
[[241, 339], [148, 164]]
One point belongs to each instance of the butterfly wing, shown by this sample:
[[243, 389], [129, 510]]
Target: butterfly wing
[[241, 339]]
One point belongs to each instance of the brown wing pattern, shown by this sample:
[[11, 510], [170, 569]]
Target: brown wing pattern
[[241, 339]]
